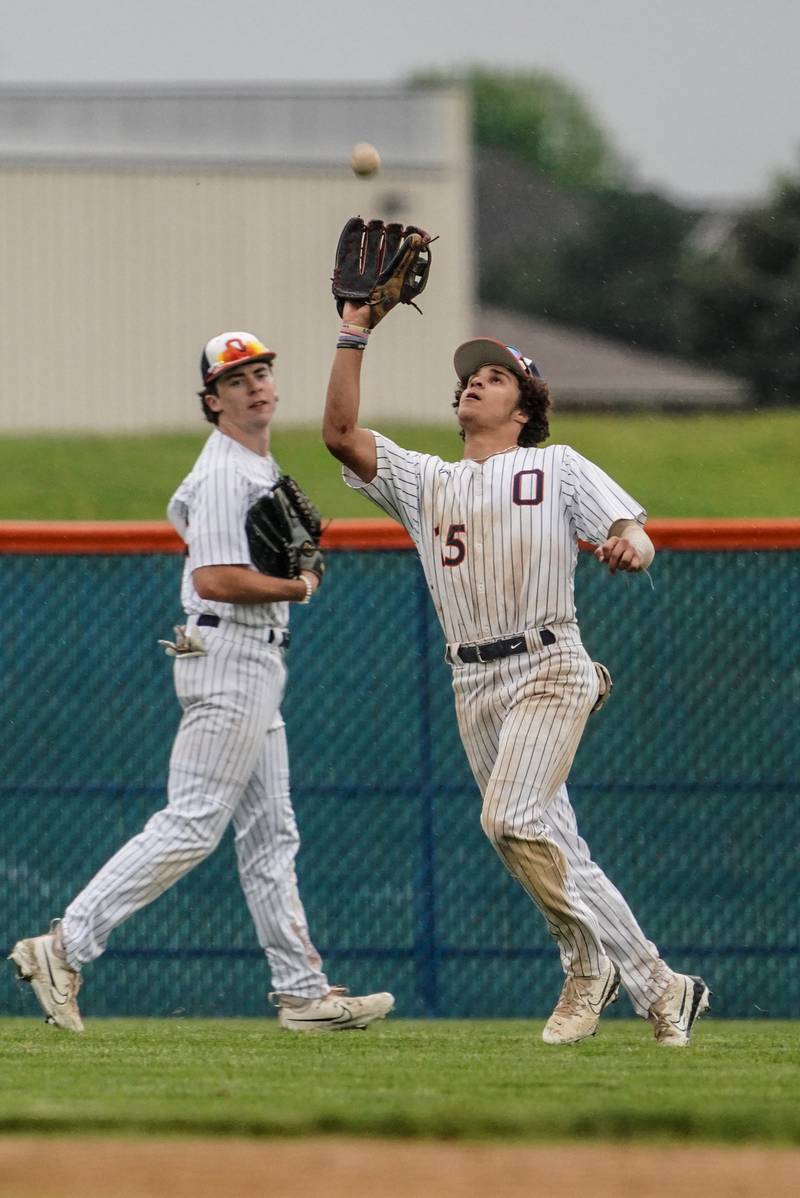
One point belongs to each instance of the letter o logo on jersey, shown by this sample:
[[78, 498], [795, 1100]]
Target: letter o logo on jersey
[[528, 488]]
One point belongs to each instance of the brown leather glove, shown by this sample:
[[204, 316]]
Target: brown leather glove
[[380, 265]]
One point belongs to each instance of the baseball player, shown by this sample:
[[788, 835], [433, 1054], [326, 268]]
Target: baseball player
[[229, 759], [497, 538]]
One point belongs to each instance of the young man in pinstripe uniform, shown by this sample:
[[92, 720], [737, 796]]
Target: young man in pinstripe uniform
[[229, 760], [497, 537]]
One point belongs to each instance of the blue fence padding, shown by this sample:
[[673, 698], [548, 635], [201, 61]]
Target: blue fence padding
[[686, 786]]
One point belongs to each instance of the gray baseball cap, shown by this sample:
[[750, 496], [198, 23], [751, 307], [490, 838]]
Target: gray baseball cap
[[484, 351]]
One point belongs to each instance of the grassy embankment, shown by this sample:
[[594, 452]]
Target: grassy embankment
[[743, 464]]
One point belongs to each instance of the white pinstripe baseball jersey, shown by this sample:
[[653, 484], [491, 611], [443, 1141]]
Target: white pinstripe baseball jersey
[[208, 510], [229, 761], [498, 539], [498, 544]]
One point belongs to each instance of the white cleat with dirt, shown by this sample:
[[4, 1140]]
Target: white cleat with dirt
[[673, 1015], [580, 1005], [335, 1011], [41, 961]]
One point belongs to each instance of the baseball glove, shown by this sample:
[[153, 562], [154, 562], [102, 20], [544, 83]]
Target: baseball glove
[[605, 682], [283, 532], [380, 265]]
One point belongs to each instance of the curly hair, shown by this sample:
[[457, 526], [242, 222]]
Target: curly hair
[[534, 401], [209, 413]]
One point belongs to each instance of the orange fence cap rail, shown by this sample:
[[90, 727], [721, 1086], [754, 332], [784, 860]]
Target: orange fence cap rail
[[729, 534], [157, 536], [88, 536]]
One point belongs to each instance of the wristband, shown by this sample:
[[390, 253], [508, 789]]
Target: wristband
[[309, 589], [641, 542], [352, 336]]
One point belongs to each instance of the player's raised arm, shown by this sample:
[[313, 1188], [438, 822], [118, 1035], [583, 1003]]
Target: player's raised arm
[[377, 267], [341, 433], [627, 547]]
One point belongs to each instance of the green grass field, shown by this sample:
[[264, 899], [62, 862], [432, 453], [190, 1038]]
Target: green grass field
[[738, 1082], [741, 464]]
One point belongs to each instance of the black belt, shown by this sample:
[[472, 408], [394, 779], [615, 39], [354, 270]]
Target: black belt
[[275, 634], [505, 647]]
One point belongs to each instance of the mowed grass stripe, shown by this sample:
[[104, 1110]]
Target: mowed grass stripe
[[738, 1081], [742, 464]]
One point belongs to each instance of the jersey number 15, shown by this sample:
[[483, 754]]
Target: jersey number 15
[[527, 491]]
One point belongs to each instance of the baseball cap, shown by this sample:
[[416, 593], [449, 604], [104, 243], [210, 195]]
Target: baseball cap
[[483, 351], [227, 350]]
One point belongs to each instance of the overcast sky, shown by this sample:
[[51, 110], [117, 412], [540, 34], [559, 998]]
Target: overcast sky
[[700, 96]]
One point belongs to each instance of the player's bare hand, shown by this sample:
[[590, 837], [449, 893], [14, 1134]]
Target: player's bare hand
[[356, 313], [619, 554]]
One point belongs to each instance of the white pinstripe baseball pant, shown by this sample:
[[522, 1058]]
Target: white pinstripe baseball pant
[[229, 762], [521, 720]]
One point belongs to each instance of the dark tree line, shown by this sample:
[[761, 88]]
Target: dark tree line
[[616, 273], [745, 297], [630, 263]]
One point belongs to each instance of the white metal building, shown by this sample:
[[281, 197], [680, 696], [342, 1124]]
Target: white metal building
[[137, 222]]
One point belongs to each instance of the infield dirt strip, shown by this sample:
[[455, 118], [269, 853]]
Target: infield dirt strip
[[331, 1168]]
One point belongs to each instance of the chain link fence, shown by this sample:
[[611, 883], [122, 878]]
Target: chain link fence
[[685, 785]]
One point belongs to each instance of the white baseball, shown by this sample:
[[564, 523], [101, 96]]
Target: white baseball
[[364, 159]]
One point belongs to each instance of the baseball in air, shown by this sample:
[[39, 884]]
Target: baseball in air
[[364, 159]]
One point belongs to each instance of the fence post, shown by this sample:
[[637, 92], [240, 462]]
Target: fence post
[[426, 955]]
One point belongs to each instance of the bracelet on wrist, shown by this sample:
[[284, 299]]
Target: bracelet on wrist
[[309, 589], [352, 336]]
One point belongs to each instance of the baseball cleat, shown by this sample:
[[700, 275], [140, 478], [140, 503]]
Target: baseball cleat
[[673, 1015], [41, 961], [580, 1005], [333, 1012]]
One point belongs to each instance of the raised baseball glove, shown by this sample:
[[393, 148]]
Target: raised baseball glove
[[283, 532], [605, 683], [380, 265]]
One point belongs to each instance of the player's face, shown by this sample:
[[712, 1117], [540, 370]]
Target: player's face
[[246, 397], [490, 399]]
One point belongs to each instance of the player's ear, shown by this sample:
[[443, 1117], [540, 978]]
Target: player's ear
[[212, 400]]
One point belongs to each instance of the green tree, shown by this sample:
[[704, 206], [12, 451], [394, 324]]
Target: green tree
[[540, 120], [616, 274], [612, 256], [745, 297]]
